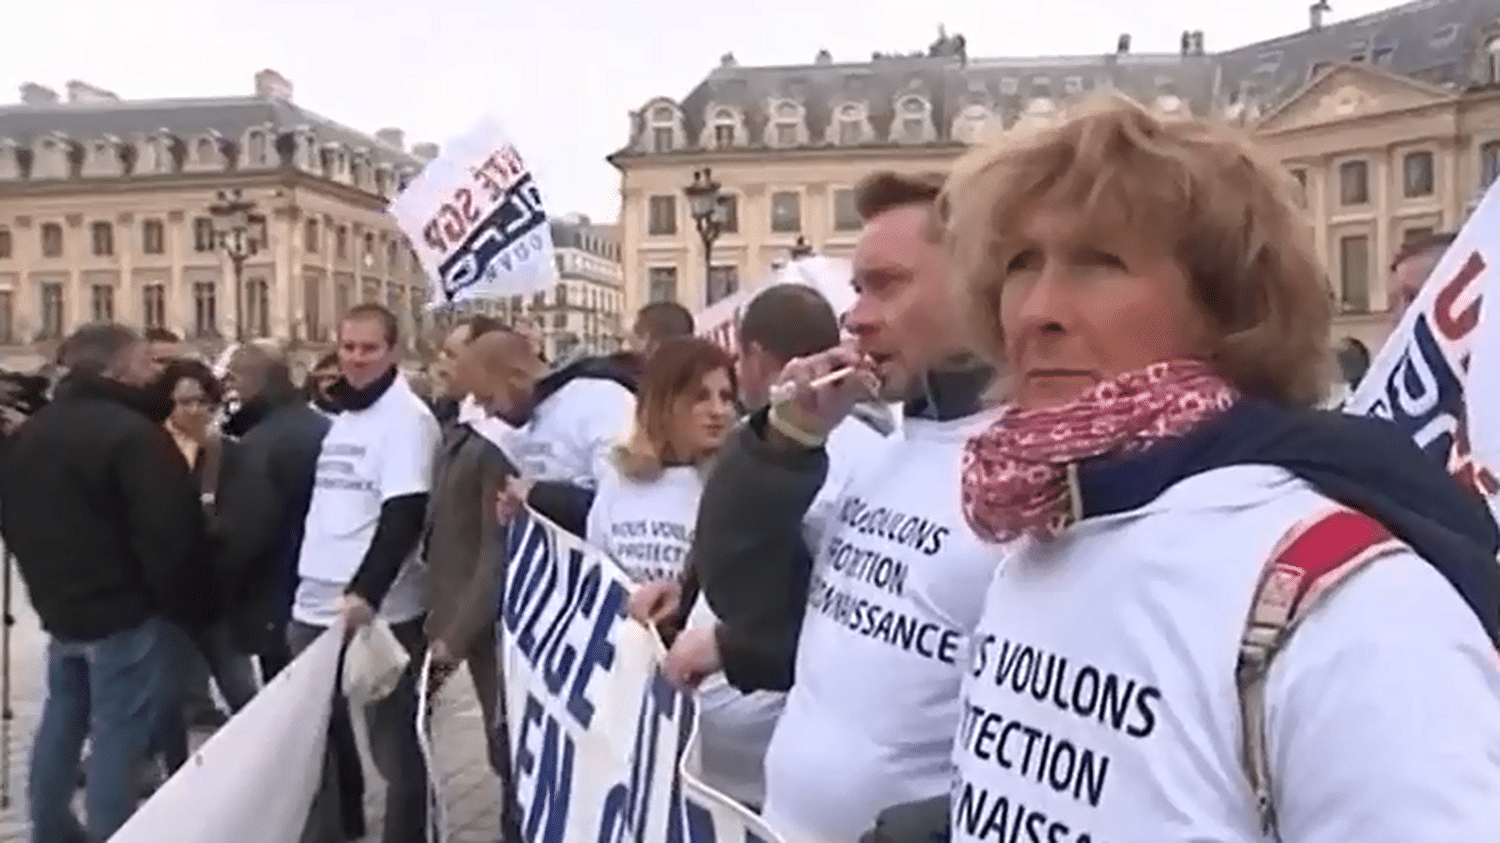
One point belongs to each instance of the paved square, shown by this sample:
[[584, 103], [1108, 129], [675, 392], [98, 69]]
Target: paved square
[[470, 788]]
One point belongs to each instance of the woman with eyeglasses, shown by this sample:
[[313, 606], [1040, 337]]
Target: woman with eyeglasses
[[196, 396]]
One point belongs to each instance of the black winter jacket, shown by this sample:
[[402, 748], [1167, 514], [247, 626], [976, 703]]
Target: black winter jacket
[[103, 518]]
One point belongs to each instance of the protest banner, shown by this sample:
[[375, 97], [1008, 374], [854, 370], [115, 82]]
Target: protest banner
[[602, 747], [476, 220], [829, 276], [1436, 376], [255, 778]]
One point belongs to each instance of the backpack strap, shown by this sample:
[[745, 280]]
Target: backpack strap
[[1312, 559]]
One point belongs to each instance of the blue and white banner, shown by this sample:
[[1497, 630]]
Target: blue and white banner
[[603, 748], [1438, 375], [476, 220]]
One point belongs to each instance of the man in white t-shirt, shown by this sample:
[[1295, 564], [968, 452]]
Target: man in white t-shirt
[[358, 558]]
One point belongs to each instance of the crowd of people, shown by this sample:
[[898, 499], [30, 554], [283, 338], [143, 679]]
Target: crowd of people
[[1019, 560]]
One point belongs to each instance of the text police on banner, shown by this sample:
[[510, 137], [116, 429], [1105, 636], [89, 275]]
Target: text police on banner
[[603, 749], [476, 220], [1426, 378]]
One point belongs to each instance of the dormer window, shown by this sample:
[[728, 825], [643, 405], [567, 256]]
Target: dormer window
[[724, 128], [1492, 61], [913, 126], [256, 148], [663, 128], [787, 124], [50, 160], [205, 151], [970, 123], [851, 124]]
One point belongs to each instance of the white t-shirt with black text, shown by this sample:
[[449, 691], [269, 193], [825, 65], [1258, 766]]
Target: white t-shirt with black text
[[368, 457], [897, 585], [573, 431], [1100, 702]]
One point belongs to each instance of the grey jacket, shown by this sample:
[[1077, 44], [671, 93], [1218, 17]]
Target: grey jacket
[[463, 539]]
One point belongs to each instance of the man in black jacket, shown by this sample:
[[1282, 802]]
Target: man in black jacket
[[105, 525]]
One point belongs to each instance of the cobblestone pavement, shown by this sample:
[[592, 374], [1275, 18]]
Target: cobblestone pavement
[[469, 787]]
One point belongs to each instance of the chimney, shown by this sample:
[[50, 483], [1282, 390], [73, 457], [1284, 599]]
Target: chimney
[[1186, 44], [425, 151], [824, 57], [1197, 42], [273, 86], [391, 137], [1122, 46], [84, 92], [1315, 14], [34, 94]]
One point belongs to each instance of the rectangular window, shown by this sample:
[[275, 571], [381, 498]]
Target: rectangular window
[[5, 243], [312, 307], [1354, 273], [102, 302], [851, 132], [341, 242], [1417, 175], [729, 213], [786, 134], [204, 239], [661, 215], [52, 311], [153, 237], [205, 309], [311, 235], [786, 212], [52, 240], [8, 318], [102, 237], [343, 297], [1489, 163], [154, 306], [723, 136], [1354, 183], [258, 307], [661, 283], [661, 138], [723, 281], [845, 212]]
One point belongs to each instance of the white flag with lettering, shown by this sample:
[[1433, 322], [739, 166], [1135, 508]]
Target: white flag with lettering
[[476, 220]]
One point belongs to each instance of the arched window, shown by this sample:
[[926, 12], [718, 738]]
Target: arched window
[[913, 119], [663, 128], [1492, 61], [851, 124], [971, 123], [725, 128], [788, 124]]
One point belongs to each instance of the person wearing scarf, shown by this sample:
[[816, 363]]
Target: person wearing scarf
[[1156, 299]]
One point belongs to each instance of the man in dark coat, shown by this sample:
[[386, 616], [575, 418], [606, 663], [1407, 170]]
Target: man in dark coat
[[107, 532]]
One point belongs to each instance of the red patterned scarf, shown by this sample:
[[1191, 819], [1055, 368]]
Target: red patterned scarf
[[1015, 472]]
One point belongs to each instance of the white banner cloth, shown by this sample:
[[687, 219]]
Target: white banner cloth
[[603, 748], [829, 276], [476, 220], [255, 778], [1437, 375]]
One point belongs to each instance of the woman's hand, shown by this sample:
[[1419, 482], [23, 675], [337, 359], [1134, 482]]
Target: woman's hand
[[511, 499], [655, 601]]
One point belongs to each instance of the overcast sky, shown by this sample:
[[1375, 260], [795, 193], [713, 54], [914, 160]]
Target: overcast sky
[[560, 74]]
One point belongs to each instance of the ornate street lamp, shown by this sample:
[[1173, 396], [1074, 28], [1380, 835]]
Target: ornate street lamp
[[705, 202], [801, 249], [235, 223]]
